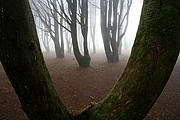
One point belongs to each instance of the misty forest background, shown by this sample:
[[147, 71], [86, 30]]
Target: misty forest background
[[50, 13]]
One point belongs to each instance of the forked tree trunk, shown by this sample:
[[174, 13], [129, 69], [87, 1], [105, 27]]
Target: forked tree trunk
[[83, 61], [109, 30], [151, 62], [23, 62], [112, 20], [153, 57]]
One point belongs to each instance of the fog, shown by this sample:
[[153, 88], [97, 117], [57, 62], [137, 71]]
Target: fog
[[127, 40], [134, 17]]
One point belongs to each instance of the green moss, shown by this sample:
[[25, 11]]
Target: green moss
[[152, 59]]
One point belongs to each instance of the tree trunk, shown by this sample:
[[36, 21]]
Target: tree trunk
[[62, 38], [92, 13], [68, 42], [112, 21], [108, 30], [153, 57], [83, 61], [58, 49], [84, 30], [23, 62], [46, 42]]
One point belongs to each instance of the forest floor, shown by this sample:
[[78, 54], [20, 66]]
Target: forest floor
[[78, 87]]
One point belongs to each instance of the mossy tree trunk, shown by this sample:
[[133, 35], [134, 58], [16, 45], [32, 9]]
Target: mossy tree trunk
[[153, 57], [151, 62], [23, 62]]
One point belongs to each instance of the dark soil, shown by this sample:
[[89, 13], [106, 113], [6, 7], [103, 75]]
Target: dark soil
[[78, 87]]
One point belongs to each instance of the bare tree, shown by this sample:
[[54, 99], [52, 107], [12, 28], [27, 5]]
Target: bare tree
[[78, 12], [45, 40], [49, 18], [42, 31], [114, 14], [93, 11]]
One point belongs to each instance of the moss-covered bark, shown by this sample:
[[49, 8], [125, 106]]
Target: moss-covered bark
[[153, 57], [23, 62]]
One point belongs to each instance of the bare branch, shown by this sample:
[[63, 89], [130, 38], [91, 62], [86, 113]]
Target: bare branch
[[94, 5]]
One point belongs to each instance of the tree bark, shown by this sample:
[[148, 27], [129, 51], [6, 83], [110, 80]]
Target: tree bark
[[83, 61], [23, 62], [153, 57]]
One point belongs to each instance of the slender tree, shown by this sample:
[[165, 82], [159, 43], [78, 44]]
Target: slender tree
[[114, 14], [45, 40], [154, 54], [49, 17], [76, 16], [42, 31], [82, 6], [93, 11]]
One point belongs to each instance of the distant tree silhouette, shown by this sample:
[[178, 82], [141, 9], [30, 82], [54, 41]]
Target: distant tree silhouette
[[76, 16], [73, 5], [92, 21], [49, 17], [114, 21]]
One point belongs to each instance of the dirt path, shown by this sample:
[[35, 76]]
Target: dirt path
[[78, 87]]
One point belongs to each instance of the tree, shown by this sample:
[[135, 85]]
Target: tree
[[76, 16], [24, 64], [45, 40], [114, 14], [92, 19], [42, 32], [82, 6], [49, 17], [153, 57]]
